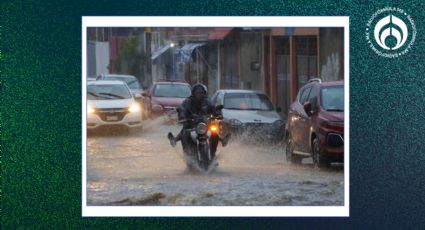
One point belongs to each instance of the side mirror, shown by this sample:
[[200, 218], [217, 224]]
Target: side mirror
[[307, 107], [278, 109], [219, 107]]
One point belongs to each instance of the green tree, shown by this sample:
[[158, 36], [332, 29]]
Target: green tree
[[131, 58]]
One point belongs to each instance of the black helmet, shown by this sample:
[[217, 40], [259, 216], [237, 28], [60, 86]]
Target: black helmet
[[199, 85]]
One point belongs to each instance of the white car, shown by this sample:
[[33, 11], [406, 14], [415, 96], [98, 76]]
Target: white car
[[111, 103], [132, 82], [249, 112]]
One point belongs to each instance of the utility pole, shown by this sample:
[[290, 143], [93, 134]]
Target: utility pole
[[148, 53], [148, 69], [218, 65]]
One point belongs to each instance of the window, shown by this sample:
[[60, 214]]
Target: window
[[283, 73], [219, 100], [304, 95], [306, 51], [313, 97], [132, 82], [107, 92], [171, 90], [333, 98], [247, 101]]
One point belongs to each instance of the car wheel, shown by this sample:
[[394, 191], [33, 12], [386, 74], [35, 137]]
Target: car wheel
[[319, 160], [290, 157]]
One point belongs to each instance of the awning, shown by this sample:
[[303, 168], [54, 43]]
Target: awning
[[158, 57], [219, 33], [184, 54]]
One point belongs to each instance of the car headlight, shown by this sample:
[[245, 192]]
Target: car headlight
[[134, 108], [278, 123], [90, 109]]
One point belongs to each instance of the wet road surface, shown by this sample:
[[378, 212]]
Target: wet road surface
[[141, 168]]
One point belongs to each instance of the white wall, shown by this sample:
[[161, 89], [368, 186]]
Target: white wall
[[102, 57]]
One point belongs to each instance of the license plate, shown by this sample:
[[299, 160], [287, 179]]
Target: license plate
[[111, 118]]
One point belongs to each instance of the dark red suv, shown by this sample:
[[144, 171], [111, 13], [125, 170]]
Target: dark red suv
[[315, 126], [164, 96]]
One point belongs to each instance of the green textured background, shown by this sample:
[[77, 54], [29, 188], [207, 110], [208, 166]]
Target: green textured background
[[41, 116]]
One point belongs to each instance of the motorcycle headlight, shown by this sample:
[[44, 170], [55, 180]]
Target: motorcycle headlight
[[90, 109], [201, 128], [214, 128], [235, 122], [135, 107]]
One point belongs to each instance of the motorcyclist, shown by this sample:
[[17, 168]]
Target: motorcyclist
[[196, 105]]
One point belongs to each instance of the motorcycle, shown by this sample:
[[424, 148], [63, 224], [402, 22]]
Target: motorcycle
[[200, 139]]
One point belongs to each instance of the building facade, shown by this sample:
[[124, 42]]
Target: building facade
[[277, 61]]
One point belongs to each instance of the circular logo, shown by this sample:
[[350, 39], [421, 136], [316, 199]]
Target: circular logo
[[390, 32]]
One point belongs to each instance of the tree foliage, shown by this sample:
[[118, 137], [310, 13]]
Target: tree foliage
[[131, 57]]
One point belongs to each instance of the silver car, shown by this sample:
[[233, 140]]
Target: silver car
[[250, 114], [130, 80]]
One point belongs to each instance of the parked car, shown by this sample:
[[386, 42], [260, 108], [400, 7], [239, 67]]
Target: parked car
[[164, 97], [315, 126], [132, 82], [111, 103], [249, 112]]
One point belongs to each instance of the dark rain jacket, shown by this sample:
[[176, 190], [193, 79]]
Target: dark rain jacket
[[190, 109]]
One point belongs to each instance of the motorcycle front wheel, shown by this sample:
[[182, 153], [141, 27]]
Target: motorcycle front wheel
[[204, 160]]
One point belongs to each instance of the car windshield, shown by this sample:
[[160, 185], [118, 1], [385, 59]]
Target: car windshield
[[247, 101], [333, 98], [132, 82], [172, 90], [107, 92]]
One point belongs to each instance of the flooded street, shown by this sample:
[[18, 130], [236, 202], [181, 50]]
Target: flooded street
[[141, 168]]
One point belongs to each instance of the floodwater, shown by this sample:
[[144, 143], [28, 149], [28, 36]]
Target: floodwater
[[141, 168]]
